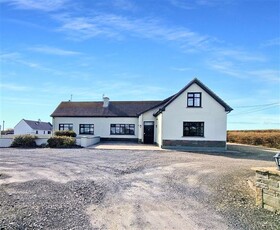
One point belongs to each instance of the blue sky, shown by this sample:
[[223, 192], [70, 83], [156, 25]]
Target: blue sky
[[140, 50]]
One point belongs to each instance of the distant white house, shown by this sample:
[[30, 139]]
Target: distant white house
[[194, 117], [33, 127]]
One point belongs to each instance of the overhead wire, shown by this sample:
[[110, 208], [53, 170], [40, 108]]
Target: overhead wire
[[267, 106], [250, 106]]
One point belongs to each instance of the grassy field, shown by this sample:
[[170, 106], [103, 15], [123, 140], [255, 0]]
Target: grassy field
[[269, 138]]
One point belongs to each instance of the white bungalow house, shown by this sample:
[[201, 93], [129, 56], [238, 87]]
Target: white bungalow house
[[32, 127], [195, 117]]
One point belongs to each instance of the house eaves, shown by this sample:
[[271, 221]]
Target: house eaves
[[204, 87]]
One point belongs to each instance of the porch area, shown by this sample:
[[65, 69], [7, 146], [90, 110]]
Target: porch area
[[114, 145]]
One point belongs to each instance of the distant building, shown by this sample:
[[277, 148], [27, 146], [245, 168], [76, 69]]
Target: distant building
[[33, 127]]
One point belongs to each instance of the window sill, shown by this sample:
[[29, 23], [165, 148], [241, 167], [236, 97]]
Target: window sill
[[194, 107], [122, 134]]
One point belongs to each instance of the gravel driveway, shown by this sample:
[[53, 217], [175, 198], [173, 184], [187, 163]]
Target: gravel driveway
[[129, 189]]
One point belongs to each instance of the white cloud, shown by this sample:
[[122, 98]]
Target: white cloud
[[111, 88], [193, 4], [17, 58], [272, 42], [124, 5], [239, 55], [225, 67], [13, 87], [117, 27], [238, 71], [54, 51], [44, 5], [270, 75], [9, 56]]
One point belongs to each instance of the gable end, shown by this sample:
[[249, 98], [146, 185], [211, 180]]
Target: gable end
[[204, 87]]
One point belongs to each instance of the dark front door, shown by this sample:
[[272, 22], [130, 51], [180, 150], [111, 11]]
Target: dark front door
[[148, 132]]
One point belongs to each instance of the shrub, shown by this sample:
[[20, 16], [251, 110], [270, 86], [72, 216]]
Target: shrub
[[61, 142], [268, 138], [24, 141], [68, 133]]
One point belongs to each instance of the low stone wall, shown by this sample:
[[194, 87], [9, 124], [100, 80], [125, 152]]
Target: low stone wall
[[135, 140], [194, 145], [6, 140], [86, 141], [268, 188]]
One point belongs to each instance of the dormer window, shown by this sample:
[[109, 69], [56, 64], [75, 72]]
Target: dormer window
[[194, 99]]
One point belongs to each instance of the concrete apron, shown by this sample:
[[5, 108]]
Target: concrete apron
[[124, 146]]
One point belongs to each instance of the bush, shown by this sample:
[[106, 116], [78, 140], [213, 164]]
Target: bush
[[24, 141], [268, 138], [67, 133], [61, 142]]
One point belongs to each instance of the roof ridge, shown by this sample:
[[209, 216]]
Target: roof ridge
[[110, 101]]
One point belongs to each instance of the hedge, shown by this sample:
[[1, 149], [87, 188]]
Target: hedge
[[269, 139], [24, 141], [61, 142], [68, 133]]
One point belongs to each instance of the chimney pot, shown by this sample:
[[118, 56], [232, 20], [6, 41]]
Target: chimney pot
[[105, 102]]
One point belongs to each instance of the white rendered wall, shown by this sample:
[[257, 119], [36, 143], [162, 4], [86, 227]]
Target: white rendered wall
[[40, 132], [22, 128], [101, 125], [211, 113], [159, 130], [140, 128], [148, 116]]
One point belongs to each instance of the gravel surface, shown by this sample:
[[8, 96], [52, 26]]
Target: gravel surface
[[130, 189]]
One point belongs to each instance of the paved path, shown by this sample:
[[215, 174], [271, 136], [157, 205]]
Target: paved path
[[124, 146]]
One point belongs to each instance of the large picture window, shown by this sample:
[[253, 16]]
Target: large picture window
[[193, 129], [122, 129], [194, 100], [87, 129], [65, 126]]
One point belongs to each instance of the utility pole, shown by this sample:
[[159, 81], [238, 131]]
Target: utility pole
[[3, 125]]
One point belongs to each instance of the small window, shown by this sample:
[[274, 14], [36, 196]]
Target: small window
[[122, 129], [87, 129], [49, 132], [194, 100], [36, 131], [193, 129], [65, 126]]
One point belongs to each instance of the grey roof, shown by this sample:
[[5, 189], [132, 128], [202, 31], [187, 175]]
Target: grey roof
[[124, 108], [96, 109], [39, 125]]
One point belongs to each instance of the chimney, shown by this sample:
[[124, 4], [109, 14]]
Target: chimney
[[105, 102]]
